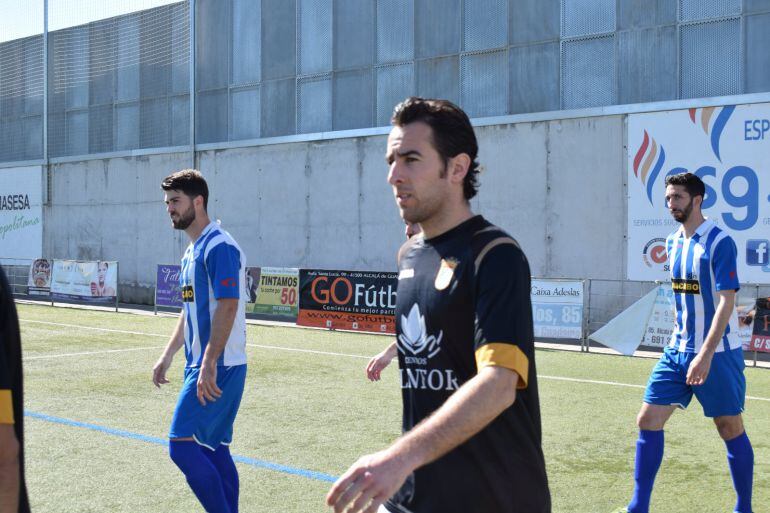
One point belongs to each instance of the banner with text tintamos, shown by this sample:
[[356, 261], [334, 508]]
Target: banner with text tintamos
[[168, 292], [94, 282], [557, 308], [273, 290], [39, 283], [348, 300], [760, 337]]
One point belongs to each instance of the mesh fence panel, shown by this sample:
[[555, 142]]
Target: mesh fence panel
[[690, 10], [118, 83], [587, 17], [711, 58], [588, 72], [21, 81], [486, 25]]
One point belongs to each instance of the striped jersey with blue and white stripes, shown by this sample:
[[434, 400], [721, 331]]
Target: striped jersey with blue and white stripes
[[701, 266], [213, 268]]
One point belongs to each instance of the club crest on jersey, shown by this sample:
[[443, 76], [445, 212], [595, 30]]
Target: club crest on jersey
[[445, 273]]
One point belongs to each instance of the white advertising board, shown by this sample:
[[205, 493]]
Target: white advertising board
[[729, 148], [21, 214], [557, 308]]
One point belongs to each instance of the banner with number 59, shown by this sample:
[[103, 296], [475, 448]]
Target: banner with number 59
[[728, 147]]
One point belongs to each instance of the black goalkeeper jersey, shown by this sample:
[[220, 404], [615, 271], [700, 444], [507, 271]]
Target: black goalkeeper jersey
[[11, 394], [464, 303]]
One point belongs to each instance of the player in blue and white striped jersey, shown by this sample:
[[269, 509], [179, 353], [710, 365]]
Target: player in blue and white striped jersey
[[704, 357], [212, 329]]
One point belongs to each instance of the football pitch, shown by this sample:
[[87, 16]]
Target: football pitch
[[96, 426]]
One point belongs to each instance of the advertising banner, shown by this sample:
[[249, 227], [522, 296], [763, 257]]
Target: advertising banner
[[21, 213], [349, 300], [95, 282], [39, 283], [273, 290], [660, 325], [760, 337], [557, 308], [728, 147], [168, 292]]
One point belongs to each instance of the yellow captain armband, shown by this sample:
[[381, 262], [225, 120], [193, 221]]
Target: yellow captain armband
[[6, 407], [504, 355]]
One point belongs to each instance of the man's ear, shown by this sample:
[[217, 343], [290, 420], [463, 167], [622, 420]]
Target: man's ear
[[458, 167]]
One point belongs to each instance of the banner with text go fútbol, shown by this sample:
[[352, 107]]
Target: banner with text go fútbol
[[728, 148], [95, 282], [273, 290], [39, 282], [349, 300], [557, 308], [168, 292]]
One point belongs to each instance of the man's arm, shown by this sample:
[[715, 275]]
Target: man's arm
[[376, 477], [9, 470], [164, 362], [221, 326], [380, 361], [701, 364]]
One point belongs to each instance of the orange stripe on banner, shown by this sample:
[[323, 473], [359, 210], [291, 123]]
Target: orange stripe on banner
[[504, 355], [6, 407], [347, 321], [648, 160], [705, 118]]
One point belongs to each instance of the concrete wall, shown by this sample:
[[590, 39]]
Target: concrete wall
[[556, 186]]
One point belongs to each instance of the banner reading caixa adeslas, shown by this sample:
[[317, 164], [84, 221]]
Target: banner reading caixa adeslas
[[349, 300], [94, 282]]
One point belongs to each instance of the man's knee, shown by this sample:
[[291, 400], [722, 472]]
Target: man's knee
[[729, 427], [179, 451], [653, 417]]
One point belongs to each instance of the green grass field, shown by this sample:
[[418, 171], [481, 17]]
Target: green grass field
[[308, 406]]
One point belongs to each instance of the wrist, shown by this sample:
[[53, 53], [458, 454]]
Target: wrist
[[409, 456]]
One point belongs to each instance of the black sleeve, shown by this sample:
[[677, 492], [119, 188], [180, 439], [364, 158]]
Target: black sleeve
[[8, 323], [504, 333]]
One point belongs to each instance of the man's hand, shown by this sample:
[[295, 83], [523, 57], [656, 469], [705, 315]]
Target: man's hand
[[159, 370], [207, 383], [377, 364], [369, 482], [699, 369]]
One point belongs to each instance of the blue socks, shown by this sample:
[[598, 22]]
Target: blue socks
[[649, 454], [202, 475], [740, 457], [225, 465]]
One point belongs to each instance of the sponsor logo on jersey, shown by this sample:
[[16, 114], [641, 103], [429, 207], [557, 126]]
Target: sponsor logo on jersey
[[188, 296], [685, 286], [445, 273]]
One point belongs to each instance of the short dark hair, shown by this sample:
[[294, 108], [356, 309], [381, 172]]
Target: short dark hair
[[452, 132], [188, 181], [691, 183]]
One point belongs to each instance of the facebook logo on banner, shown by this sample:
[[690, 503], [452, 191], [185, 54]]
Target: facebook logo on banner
[[756, 252]]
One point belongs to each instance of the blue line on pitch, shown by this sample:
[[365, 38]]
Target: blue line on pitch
[[310, 474]]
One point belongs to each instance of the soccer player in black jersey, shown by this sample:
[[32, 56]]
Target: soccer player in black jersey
[[13, 490], [471, 412]]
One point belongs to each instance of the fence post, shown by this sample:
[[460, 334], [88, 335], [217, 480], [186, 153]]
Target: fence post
[[586, 315]]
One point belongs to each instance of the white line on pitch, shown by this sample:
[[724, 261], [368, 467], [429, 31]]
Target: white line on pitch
[[87, 353], [298, 350], [108, 330]]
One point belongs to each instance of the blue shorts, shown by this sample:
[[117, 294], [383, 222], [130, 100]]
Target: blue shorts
[[723, 393], [209, 425]]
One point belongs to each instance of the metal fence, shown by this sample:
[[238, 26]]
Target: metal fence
[[84, 77]]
